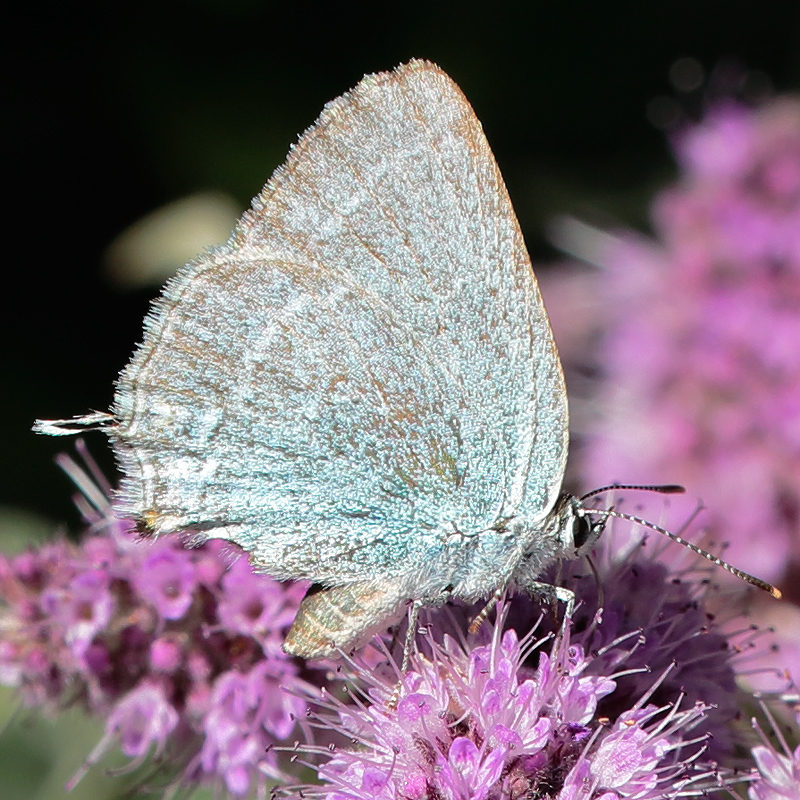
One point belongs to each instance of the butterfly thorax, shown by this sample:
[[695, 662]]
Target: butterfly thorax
[[519, 550]]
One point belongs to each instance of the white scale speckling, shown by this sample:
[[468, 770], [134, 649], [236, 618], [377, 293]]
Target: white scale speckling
[[361, 388]]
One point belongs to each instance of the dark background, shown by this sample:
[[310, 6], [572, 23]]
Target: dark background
[[117, 108]]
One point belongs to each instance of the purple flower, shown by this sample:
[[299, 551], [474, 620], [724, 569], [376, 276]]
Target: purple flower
[[167, 580], [176, 648], [83, 607], [637, 699], [166, 654], [469, 772], [510, 718], [628, 755], [778, 775], [247, 714], [257, 608], [143, 718], [702, 375]]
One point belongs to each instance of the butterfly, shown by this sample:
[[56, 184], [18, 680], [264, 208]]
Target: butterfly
[[361, 388]]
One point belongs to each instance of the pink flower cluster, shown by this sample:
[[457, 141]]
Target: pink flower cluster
[[178, 649], [701, 355], [475, 722], [778, 766], [638, 699], [685, 351]]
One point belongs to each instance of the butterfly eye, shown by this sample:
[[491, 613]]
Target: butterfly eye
[[581, 530], [584, 532]]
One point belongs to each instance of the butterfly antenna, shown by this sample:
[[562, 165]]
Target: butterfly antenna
[[666, 488], [751, 579]]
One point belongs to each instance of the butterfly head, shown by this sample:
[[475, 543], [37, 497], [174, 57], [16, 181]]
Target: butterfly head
[[579, 527], [578, 532]]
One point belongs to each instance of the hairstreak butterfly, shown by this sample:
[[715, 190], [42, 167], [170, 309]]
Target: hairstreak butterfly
[[361, 388]]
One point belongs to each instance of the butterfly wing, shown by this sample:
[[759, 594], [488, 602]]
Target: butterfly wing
[[367, 366]]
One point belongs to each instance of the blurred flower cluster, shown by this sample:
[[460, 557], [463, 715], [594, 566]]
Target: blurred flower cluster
[[177, 648], [694, 336]]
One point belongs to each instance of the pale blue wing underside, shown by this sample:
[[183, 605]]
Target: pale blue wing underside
[[365, 374]]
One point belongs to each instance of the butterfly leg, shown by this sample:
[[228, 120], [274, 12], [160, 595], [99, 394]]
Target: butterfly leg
[[553, 593], [411, 632], [476, 623]]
